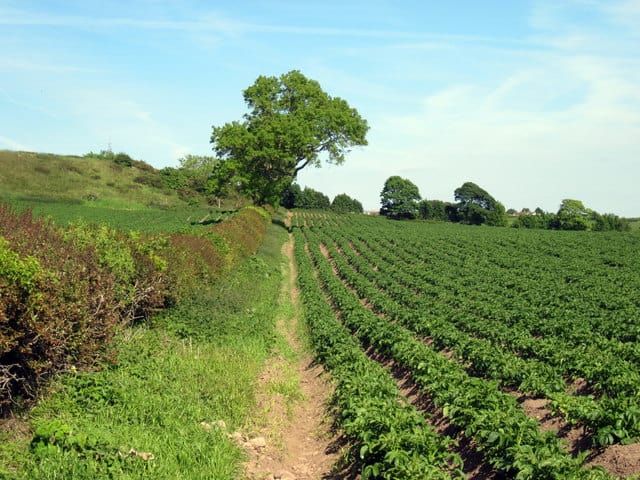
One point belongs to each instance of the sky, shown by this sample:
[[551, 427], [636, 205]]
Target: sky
[[535, 101]]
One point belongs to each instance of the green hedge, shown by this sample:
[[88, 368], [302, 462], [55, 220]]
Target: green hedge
[[65, 292]]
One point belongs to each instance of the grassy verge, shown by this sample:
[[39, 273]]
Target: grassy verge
[[142, 417]]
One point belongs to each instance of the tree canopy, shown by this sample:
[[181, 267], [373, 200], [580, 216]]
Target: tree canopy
[[438, 210], [294, 197], [477, 206], [343, 203], [292, 123], [399, 198]]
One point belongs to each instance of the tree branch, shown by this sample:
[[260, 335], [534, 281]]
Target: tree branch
[[298, 168]]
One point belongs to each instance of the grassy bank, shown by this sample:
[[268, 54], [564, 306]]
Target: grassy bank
[[31, 176], [142, 416]]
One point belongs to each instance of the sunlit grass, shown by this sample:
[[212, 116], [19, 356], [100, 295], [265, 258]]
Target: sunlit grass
[[142, 417]]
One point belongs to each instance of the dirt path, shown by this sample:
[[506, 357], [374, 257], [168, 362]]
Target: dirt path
[[292, 437]]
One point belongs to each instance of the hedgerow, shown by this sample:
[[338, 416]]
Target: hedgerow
[[65, 292]]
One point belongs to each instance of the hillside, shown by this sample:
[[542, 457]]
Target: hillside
[[44, 177]]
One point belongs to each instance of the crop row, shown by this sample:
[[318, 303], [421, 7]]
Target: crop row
[[510, 440], [389, 437], [611, 419]]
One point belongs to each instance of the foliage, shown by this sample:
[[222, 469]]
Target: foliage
[[545, 308], [174, 178], [609, 222], [135, 261], [399, 198], [153, 413], [310, 199], [573, 215], [343, 203], [291, 196], [538, 220], [437, 210], [293, 123], [66, 292], [56, 305], [477, 206], [197, 171], [36, 179]]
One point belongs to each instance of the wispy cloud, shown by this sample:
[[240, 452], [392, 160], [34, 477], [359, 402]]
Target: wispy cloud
[[216, 22], [12, 144]]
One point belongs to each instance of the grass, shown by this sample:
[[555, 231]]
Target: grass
[[78, 179], [635, 224], [141, 417]]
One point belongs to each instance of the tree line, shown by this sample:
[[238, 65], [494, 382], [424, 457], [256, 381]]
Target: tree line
[[292, 123], [400, 199], [308, 198]]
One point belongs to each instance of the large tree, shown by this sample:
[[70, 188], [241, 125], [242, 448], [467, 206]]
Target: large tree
[[292, 123], [476, 206], [399, 198]]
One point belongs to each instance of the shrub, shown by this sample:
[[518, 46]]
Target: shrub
[[133, 260], [65, 293], [56, 305], [149, 179], [123, 159]]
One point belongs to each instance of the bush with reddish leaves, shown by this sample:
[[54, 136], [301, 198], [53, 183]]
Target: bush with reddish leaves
[[64, 293], [61, 314]]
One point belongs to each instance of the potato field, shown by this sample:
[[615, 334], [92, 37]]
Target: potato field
[[447, 340]]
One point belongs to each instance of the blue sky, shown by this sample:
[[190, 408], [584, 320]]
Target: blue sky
[[535, 101]]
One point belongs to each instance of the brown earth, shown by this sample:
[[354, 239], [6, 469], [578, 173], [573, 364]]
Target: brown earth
[[619, 460], [294, 440]]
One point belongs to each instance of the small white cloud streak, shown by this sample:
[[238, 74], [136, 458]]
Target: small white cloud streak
[[12, 144], [215, 22]]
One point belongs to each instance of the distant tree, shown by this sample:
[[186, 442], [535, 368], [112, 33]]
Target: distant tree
[[531, 221], [291, 196], [312, 199], [174, 178], [224, 183], [434, 210], [198, 169], [399, 198], [573, 215], [512, 211], [608, 221], [476, 206], [343, 203], [293, 123]]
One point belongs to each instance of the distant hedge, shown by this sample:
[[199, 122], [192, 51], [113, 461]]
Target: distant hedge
[[65, 292]]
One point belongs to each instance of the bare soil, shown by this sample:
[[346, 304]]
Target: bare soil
[[294, 441]]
